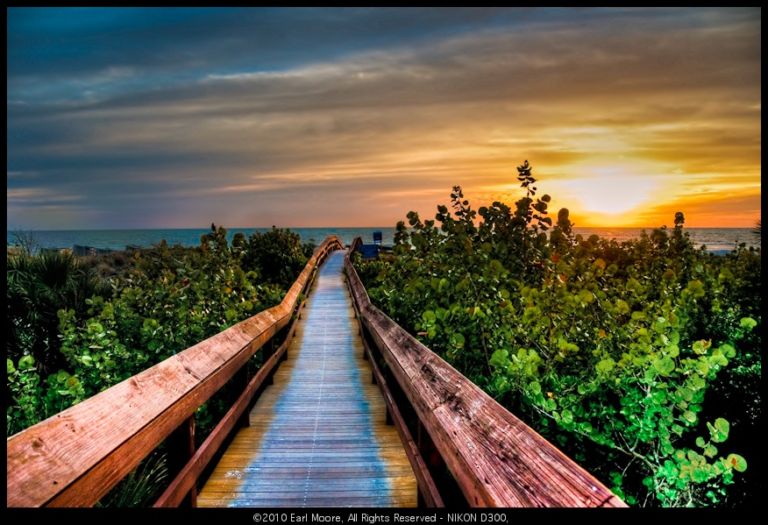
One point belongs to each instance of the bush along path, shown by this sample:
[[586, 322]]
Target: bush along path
[[73, 334], [621, 353]]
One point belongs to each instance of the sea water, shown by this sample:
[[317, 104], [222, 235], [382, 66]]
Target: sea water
[[715, 239]]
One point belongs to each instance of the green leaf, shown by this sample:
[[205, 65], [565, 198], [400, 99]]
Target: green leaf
[[747, 323], [499, 359], [586, 296], [26, 362], [710, 451], [622, 307], [717, 358], [700, 442], [669, 469], [696, 288], [720, 430], [500, 384], [689, 416], [728, 351], [700, 474], [701, 347], [686, 394], [664, 366], [605, 366], [566, 416], [534, 387], [736, 462], [428, 316], [696, 383], [648, 481], [457, 340], [722, 425], [9, 365]]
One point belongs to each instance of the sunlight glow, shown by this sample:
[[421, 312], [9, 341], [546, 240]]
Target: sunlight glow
[[613, 189]]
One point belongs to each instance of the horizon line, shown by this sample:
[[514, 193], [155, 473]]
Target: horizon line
[[12, 230]]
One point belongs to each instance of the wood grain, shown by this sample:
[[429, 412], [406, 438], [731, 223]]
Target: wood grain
[[318, 436], [78, 455], [496, 459], [427, 487], [185, 481]]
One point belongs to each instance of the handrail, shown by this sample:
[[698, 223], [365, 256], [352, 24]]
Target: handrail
[[495, 458], [76, 456]]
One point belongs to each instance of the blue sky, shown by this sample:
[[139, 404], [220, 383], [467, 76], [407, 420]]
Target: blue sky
[[121, 118]]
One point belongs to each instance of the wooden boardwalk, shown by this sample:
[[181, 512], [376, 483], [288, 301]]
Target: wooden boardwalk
[[317, 436]]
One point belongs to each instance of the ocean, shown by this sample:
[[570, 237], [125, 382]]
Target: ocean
[[715, 239]]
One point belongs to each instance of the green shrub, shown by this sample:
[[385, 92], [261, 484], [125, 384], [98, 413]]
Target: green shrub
[[67, 342], [610, 349], [276, 255]]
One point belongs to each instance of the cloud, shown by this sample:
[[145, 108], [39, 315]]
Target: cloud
[[377, 111]]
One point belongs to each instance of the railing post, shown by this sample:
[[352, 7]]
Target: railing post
[[241, 383], [420, 503], [181, 448], [427, 451]]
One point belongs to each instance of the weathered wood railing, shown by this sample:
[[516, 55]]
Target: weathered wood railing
[[75, 457], [495, 459]]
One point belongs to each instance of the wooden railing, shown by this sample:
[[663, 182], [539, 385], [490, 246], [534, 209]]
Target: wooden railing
[[75, 457], [495, 459]]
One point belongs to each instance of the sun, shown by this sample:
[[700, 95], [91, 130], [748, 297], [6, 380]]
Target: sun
[[612, 190]]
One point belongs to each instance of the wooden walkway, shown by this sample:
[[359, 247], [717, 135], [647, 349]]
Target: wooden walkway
[[318, 436]]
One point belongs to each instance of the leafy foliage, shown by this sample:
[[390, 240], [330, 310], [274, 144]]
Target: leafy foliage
[[277, 254], [37, 287], [68, 342], [141, 487], [607, 348]]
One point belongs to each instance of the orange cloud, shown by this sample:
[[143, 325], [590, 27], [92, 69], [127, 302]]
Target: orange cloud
[[624, 123]]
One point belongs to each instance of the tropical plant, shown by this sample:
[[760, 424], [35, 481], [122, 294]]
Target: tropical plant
[[277, 255], [72, 335], [37, 287], [608, 348]]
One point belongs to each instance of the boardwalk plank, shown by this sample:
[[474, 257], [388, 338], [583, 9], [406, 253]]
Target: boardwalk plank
[[317, 436]]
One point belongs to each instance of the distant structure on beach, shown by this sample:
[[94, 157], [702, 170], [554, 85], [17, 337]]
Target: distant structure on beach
[[88, 250], [371, 251]]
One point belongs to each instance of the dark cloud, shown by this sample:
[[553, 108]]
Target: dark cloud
[[288, 113]]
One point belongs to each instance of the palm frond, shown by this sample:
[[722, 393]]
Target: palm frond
[[141, 487]]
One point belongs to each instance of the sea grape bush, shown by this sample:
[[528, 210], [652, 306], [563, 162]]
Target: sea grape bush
[[170, 299], [277, 254], [610, 349]]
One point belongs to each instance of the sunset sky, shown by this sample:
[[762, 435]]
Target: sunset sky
[[160, 118]]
